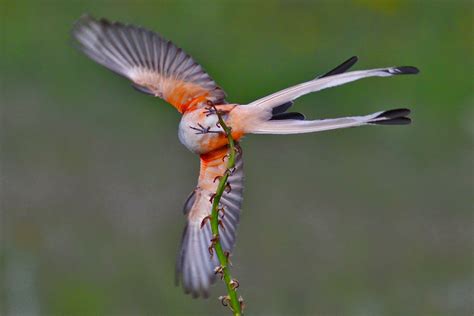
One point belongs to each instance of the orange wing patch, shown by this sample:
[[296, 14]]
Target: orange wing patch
[[213, 164], [181, 94], [186, 95]]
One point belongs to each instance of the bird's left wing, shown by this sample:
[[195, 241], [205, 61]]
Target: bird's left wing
[[194, 265], [154, 65]]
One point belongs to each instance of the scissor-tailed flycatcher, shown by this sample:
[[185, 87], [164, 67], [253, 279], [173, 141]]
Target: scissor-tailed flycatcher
[[157, 67]]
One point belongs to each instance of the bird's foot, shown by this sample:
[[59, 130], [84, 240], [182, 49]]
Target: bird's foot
[[212, 110], [203, 130]]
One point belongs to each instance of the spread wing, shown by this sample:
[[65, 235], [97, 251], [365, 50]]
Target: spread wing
[[154, 65], [194, 265]]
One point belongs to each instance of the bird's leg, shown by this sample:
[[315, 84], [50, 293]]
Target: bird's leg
[[203, 130]]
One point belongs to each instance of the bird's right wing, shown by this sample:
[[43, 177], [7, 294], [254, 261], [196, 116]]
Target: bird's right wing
[[154, 65], [194, 265]]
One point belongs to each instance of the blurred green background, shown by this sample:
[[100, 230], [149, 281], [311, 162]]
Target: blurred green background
[[365, 221]]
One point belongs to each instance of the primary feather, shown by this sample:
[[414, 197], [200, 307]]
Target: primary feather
[[155, 65]]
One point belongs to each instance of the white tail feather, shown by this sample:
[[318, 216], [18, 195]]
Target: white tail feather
[[299, 126], [290, 126], [292, 93], [256, 117]]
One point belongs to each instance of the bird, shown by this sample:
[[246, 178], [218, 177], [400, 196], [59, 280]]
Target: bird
[[157, 67]]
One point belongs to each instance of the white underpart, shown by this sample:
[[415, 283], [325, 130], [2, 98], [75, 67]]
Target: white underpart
[[190, 138]]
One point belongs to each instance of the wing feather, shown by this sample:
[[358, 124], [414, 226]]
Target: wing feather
[[194, 266], [151, 62]]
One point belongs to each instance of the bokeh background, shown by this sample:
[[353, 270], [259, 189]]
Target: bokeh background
[[365, 221]]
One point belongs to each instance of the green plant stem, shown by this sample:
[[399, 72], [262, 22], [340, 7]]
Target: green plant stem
[[223, 259]]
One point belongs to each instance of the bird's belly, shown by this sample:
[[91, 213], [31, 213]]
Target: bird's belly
[[199, 133]]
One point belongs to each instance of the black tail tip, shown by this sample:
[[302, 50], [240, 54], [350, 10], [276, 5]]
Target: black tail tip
[[393, 117], [352, 60], [346, 65], [394, 121], [407, 70], [394, 113]]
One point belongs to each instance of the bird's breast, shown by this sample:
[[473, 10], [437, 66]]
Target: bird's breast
[[199, 132]]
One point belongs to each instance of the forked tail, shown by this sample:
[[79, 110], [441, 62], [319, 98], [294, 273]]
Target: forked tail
[[268, 115]]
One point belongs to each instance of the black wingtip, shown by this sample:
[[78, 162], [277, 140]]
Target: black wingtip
[[407, 70]]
